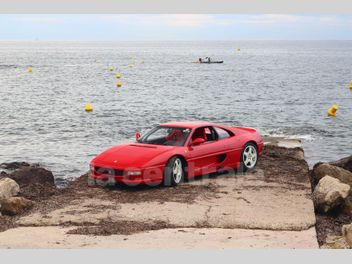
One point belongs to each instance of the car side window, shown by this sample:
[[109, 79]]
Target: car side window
[[207, 133], [212, 136], [222, 133]]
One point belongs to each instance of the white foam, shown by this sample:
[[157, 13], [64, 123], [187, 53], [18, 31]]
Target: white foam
[[277, 133]]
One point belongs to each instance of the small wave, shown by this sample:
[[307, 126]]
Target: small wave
[[8, 66], [276, 133], [301, 137]]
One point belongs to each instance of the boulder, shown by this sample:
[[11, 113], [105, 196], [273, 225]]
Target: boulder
[[335, 242], [15, 205], [348, 205], [32, 175], [345, 163], [347, 234], [322, 169], [8, 188], [329, 194], [276, 151], [36, 183]]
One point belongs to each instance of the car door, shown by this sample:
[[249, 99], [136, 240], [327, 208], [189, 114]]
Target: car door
[[204, 158], [232, 147]]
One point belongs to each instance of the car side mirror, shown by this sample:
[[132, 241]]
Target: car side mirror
[[138, 136], [197, 141]]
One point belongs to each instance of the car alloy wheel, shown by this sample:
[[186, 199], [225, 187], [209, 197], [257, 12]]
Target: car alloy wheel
[[249, 156], [177, 171], [174, 172]]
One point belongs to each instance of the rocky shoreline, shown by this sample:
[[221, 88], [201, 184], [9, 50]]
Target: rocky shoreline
[[29, 198], [332, 196]]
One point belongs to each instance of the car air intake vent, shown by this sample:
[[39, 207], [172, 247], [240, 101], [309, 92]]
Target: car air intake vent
[[108, 171]]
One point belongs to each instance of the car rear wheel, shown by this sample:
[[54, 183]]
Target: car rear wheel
[[249, 157], [174, 173]]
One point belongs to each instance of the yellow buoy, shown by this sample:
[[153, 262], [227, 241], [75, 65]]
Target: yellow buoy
[[88, 107], [118, 83], [142, 61], [332, 110], [130, 66], [111, 68], [351, 85], [30, 70], [118, 75], [238, 49]]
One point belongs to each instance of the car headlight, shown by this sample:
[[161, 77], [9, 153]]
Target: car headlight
[[134, 173], [91, 168]]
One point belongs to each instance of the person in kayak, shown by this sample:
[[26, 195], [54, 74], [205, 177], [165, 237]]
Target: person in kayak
[[209, 59]]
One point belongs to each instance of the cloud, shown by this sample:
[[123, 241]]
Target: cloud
[[185, 20], [278, 19], [173, 20], [269, 19], [40, 19], [202, 20], [330, 21], [188, 20]]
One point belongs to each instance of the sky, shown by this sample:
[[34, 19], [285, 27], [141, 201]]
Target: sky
[[184, 27]]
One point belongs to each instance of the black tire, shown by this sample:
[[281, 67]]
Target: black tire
[[170, 177], [246, 164], [91, 181]]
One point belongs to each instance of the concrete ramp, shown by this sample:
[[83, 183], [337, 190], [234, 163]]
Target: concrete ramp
[[270, 207]]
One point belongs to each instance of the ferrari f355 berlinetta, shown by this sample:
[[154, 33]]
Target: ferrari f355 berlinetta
[[173, 152]]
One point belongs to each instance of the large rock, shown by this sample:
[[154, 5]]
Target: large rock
[[36, 183], [347, 234], [329, 194], [335, 242], [345, 163], [272, 150], [15, 205], [348, 205], [8, 188], [32, 175], [323, 169]]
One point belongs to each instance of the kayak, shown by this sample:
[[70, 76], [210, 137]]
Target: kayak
[[209, 62], [212, 62]]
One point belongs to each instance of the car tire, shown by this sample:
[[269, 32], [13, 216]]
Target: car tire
[[249, 157], [174, 173], [91, 181]]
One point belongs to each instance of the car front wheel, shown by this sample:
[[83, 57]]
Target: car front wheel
[[174, 173], [91, 181], [249, 157]]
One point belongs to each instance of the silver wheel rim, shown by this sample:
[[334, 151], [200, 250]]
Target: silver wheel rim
[[177, 171], [250, 156]]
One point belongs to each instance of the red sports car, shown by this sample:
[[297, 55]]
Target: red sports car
[[172, 152]]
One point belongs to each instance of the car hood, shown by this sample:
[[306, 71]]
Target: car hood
[[134, 155]]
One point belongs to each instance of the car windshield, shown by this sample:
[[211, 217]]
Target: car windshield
[[168, 136]]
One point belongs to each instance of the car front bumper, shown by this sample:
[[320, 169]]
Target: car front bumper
[[147, 176]]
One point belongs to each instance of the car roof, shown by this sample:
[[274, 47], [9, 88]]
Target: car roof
[[188, 124]]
